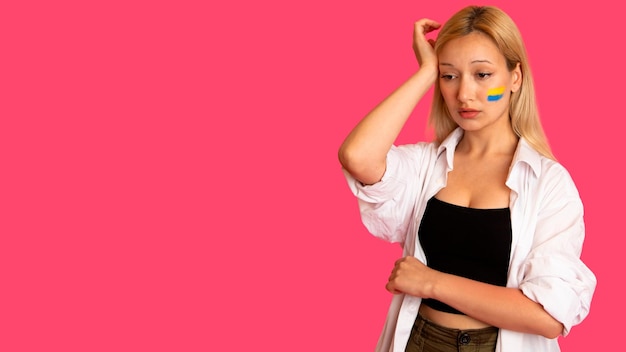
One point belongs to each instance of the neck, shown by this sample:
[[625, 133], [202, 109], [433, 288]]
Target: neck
[[487, 142]]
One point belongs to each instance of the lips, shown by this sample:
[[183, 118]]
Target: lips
[[468, 113]]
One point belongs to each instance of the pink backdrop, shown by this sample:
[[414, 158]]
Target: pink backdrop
[[171, 180]]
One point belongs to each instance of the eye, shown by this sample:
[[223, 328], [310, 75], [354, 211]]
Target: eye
[[483, 75], [447, 77]]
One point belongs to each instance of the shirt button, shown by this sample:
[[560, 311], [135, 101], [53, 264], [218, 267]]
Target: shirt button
[[464, 338]]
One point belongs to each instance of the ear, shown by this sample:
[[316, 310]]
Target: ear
[[517, 76]]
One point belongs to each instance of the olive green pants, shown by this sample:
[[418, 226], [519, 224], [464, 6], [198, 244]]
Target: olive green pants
[[427, 336]]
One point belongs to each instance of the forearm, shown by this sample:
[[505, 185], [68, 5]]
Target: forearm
[[507, 308], [364, 151]]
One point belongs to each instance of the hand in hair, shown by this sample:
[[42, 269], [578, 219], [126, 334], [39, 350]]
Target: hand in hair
[[424, 48]]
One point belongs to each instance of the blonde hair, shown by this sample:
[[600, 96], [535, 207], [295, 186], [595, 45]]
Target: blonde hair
[[501, 29]]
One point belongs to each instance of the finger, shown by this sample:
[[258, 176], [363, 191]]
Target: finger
[[426, 25], [391, 288], [431, 28], [409, 259], [428, 22], [400, 260]]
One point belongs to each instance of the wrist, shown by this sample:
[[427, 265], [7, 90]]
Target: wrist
[[435, 284], [430, 71]]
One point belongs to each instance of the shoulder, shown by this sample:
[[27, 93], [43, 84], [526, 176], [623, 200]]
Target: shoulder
[[417, 149], [556, 174], [556, 187], [543, 168], [534, 171], [406, 161]]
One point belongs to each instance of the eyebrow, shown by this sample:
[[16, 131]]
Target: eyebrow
[[473, 62]]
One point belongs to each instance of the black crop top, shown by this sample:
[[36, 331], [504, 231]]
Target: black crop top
[[468, 242]]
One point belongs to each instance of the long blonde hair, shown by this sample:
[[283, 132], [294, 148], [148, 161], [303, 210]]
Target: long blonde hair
[[498, 26]]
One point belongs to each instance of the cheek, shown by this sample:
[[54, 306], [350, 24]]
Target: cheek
[[448, 94], [495, 94]]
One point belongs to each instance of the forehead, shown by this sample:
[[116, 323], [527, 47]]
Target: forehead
[[472, 48]]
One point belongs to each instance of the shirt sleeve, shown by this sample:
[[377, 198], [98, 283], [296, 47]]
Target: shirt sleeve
[[386, 207], [553, 274]]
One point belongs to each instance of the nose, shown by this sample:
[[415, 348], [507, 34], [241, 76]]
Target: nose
[[466, 90]]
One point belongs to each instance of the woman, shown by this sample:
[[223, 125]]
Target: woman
[[497, 220]]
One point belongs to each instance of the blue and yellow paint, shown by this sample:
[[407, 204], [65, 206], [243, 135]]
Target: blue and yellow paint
[[495, 94]]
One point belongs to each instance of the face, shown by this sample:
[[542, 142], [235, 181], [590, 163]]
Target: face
[[476, 83]]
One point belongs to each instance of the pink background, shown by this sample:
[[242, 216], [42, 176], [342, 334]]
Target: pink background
[[170, 179]]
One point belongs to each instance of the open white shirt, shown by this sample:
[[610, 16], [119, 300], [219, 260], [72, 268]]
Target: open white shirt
[[546, 219]]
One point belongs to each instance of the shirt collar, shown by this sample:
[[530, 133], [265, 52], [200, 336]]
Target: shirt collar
[[526, 154], [449, 145], [523, 154]]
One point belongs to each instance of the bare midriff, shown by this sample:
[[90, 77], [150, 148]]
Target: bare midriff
[[450, 320]]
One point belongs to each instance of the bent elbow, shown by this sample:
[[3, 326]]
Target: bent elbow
[[352, 157], [553, 330], [362, 167], [344, 155]]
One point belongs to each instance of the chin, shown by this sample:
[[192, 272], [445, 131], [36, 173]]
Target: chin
[[469, 125]]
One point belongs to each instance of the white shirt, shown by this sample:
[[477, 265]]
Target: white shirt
[[547, 234]]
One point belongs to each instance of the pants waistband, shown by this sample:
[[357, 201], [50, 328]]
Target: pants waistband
[[482, 336]]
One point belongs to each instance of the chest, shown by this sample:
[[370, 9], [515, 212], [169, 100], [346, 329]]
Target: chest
[[478, 184], [473, 243]]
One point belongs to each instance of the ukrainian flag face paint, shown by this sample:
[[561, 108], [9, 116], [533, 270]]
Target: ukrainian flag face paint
[[495, 94]]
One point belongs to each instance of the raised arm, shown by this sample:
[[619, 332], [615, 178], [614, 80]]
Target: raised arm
[[363, 153]]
